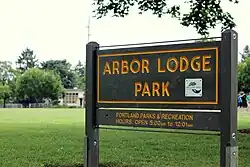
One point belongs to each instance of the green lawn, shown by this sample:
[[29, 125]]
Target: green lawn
[[55, 137]]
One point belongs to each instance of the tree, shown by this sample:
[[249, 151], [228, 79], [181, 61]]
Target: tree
[[6, 72], [241, 67], [203, 14], [36, 85], [63, 69], [12, 84], [246, 53], [244, 75], [7, 81], [4, 93], [79, 69], [80, 72], [27, 60]]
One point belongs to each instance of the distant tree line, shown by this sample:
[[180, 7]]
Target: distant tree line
[[36, 82]]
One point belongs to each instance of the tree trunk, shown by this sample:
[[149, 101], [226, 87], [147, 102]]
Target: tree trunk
[[81, 102], [4, 103]]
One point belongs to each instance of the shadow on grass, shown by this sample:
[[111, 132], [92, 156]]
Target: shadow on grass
[[81, 165]]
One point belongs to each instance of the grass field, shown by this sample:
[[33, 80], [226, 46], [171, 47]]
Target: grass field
[[55, 137]]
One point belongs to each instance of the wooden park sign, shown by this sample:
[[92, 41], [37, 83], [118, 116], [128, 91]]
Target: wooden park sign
[[190, 86]]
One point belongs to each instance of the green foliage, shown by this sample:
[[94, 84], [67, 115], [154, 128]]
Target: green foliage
[[244, 75], [26, 87], [246, 53], [36, 85], [203, 14], [5, 93], [80, 73], [8, 76], [27, 60], [63, 69], [5, 72]]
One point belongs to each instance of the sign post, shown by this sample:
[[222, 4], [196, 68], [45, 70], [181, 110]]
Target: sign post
[[191, 86], [229, 59], [91, 156]]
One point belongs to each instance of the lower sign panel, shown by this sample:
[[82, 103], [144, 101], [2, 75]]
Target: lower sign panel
[[160, 119]]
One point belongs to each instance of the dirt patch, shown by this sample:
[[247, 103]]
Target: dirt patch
[[245, 131]]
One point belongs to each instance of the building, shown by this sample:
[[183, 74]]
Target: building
[[73, 97]]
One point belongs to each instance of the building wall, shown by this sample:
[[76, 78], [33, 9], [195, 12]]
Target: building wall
[[73, 98]]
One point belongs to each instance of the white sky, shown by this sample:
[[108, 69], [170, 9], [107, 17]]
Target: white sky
[[57, 29]]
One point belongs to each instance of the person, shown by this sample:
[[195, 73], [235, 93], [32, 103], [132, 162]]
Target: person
[[248, 101], [240, 101]]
